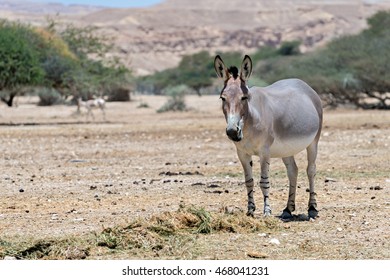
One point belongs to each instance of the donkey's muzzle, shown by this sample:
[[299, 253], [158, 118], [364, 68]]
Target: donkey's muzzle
[[234, 134]]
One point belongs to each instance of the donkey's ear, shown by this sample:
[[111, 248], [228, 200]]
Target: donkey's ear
[[220, 68], [246, 68]]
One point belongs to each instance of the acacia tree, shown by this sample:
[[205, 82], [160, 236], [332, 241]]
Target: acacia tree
[[97, 72], [19, 63]]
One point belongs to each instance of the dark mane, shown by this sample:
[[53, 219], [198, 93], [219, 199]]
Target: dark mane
[[233, 70]]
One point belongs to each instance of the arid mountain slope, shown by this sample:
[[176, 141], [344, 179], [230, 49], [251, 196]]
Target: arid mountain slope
[[155, 38]]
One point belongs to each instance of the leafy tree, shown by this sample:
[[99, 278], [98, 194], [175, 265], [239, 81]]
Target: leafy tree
[[19, 63], [378, 24], [96, 73], [352, 68]]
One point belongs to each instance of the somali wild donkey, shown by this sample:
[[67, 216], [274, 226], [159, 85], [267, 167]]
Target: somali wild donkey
[[277, 121]]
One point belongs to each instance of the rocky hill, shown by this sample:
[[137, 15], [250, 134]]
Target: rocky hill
[[155, 38]]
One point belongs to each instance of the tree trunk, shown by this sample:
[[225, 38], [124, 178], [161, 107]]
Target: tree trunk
[[10, 100]]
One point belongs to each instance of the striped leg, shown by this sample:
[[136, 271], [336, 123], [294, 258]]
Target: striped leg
[[246, 162], [311, 173], [292, 173], [264, 183]]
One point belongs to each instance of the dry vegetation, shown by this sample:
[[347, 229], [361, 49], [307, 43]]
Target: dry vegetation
[[169, 186]]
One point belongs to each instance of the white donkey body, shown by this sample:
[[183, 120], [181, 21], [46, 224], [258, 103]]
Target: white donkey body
[[277, 121]]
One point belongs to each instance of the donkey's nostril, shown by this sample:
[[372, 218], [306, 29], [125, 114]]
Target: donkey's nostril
[[233, 134]]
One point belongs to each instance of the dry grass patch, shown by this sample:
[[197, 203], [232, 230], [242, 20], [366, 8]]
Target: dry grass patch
[[166, 235]]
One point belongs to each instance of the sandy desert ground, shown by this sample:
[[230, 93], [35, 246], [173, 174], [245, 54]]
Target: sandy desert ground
[[66, 178]]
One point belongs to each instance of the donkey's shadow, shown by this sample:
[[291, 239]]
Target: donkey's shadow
[[295, 218]]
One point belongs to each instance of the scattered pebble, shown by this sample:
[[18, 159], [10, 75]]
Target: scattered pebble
[[257, 255], [263, 234], [21, 190], [216, 191], [198, 184], [77, 160], [274, 241], [339, 229], [330, 180]]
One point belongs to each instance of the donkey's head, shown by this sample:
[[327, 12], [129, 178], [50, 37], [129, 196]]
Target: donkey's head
[[234, 95]]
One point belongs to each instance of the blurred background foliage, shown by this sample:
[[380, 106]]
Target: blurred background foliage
[[56, 64], [353, 69], [62, 63]]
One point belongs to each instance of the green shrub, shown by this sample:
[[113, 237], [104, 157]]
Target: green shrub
[[48, 97], [176, 101]]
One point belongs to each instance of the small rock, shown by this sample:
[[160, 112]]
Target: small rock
[[339, 229], [198, 184], [77, 160], [263, 234], [9, 258], [330, 180], [21, 190], [257, 255], [274, 241]]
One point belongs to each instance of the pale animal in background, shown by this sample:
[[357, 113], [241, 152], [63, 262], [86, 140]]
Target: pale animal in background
[[277, 121], [92, 104]]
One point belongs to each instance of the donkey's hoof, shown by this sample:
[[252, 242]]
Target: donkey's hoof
[[286, 215], [313, 213], [267, 212], [251, 210], [250, 213]]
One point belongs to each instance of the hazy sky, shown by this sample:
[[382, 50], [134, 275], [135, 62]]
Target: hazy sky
[[107, 3]]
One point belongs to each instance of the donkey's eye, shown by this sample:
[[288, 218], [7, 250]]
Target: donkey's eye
[[244, 98], [223, 98]]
